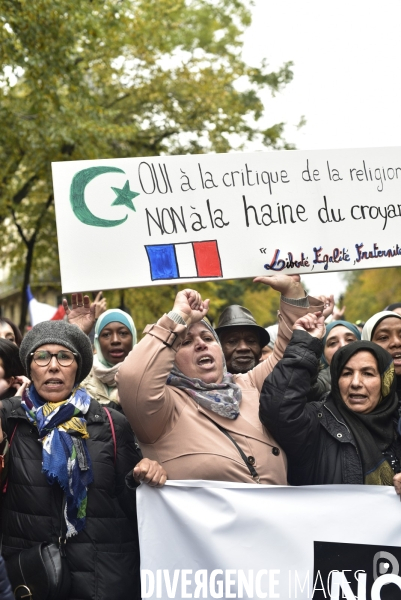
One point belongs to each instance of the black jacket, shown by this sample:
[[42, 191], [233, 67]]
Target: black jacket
[[319, 446], [320, 386], [104, 557]]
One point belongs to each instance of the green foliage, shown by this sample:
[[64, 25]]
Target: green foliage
[[370, 291], [115, 78]]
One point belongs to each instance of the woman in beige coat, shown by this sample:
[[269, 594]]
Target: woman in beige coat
[[187, 412]]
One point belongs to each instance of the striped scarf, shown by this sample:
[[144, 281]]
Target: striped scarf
[[66, 460]]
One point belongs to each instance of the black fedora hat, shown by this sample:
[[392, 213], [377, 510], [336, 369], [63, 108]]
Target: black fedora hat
[[239, 316]]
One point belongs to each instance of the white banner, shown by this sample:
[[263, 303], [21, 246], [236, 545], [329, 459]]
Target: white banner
[[219, 540], [142, 221]]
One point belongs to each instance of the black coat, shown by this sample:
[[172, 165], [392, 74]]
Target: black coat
[[319, 446], [104, 557], [320, 386]]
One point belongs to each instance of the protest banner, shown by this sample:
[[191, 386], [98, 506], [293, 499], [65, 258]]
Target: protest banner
[[207, 539], [143, 221]]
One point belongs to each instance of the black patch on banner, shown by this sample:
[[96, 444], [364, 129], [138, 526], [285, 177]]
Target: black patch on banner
[[352, 558]]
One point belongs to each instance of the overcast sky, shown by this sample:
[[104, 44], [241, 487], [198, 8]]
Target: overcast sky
[[347, 83]]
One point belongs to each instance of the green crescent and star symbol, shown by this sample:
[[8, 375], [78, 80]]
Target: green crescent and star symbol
[[124, 197]]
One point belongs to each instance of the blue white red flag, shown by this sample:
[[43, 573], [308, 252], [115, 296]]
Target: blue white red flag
[[184, 260], [39, 311]]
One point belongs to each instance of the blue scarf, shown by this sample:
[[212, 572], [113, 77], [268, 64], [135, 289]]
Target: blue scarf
[[66, 459]]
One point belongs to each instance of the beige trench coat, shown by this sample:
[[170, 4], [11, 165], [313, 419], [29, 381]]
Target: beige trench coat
[[174, 430]]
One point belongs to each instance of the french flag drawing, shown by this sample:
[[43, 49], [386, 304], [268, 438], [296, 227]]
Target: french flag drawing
[[184, 260]]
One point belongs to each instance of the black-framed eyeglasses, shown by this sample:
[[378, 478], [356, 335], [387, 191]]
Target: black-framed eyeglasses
[[42, 358]]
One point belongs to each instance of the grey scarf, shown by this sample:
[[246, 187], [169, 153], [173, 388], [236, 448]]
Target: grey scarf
[[222, 398]]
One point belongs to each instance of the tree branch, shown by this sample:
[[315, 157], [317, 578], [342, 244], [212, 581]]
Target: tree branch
[[40, 217], [18, 226], [32, 239], [123, 97], [24, 191]]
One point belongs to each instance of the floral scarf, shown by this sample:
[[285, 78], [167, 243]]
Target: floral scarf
[[222, 398], [62, 431]]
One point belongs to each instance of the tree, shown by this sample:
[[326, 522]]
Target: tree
[[115, 78], [370, 291]]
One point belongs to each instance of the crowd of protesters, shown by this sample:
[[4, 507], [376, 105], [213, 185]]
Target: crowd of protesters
[[306, 401]]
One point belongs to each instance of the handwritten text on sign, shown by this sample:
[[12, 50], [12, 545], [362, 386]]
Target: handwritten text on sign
[[146, 221]]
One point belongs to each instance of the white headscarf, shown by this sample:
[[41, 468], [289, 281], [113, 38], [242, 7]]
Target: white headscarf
[[272, 330], [371, 324]]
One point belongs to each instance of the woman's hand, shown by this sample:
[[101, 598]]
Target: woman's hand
[[312, 323], [288, 285], [20, 384], [150, 472], [190, 306], [328, 304], [338, 313], [100, 304], [397, 483], [82, 312]]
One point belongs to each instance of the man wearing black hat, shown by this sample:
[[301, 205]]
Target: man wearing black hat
[[242, 339]]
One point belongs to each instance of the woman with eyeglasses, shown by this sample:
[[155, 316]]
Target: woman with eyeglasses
[[66, 475]]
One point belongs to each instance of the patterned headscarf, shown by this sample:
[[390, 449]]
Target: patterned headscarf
[[222, 398]]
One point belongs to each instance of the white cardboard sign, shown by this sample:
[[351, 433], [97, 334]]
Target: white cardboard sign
[[209, 539], [142, 221]]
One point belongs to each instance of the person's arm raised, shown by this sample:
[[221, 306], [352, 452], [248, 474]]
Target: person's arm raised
[[288, 285], [294, 304], [312, 323], [141, 378], [82, 312], [292, 292], [190, 306], [283, 401]]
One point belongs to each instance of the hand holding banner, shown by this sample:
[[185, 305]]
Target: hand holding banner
[[208, 539]]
